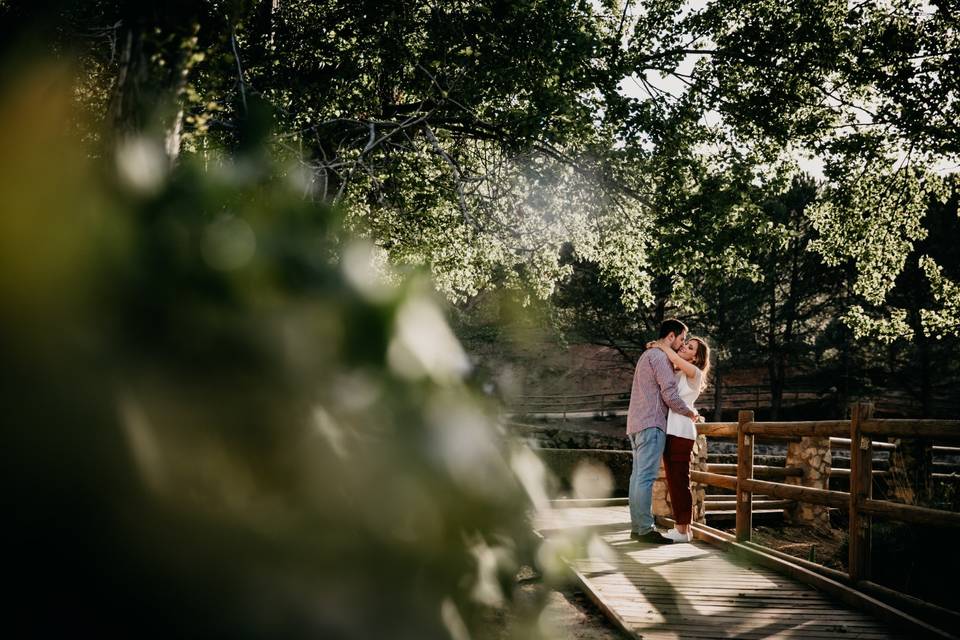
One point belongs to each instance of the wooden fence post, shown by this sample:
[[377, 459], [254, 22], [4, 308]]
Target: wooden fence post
[[861, 488], [744, 472]]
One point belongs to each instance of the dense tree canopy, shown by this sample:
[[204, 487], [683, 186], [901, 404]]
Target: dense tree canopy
[[206, 363], [477, 138]]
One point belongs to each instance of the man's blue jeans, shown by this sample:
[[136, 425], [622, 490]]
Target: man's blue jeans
[[647, 447]]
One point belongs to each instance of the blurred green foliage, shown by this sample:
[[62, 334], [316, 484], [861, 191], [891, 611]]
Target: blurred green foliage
[[219, 419]]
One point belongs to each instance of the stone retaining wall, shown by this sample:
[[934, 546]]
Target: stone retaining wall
[[813, 456], [661, 496]]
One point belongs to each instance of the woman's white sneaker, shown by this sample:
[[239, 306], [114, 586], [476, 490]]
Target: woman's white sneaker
[[676, 536]]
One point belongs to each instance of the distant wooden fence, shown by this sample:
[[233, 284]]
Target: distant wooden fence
[[734, 397], [597, 403]]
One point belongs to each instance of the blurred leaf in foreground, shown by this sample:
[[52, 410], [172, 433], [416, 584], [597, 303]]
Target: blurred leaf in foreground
[[214, 425]]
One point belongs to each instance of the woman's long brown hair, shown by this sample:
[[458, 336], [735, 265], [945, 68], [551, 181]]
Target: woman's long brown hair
[[701, 360]]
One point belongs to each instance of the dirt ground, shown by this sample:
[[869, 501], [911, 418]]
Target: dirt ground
[[567, 613], [823, 546]]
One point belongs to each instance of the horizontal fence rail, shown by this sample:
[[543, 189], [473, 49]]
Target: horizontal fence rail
[[931, 429]]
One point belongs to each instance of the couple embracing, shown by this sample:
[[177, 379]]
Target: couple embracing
[[661, 424]]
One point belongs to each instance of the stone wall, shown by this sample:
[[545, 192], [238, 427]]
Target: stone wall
[[813, 456], [586, 465], [698, 462], [572, 436], [661, 496], [597, 469]]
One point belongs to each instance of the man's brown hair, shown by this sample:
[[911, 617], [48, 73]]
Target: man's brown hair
[[672, 325]]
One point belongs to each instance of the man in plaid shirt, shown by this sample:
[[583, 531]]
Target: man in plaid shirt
[[654, 391]]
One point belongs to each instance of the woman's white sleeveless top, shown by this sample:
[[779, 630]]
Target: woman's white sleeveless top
[[680, 425]]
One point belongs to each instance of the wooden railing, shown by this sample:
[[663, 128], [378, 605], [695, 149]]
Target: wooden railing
[[858, 434]]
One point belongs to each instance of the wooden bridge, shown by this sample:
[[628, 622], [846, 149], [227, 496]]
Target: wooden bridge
[[725, 586]]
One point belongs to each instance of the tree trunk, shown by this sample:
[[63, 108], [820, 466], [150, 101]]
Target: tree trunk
[[776, 392], [789, 317], [922, 344], [662, 288], [926, 383], [718, 368], [844, 393], [155, 60]]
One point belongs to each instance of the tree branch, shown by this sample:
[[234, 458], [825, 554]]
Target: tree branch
[[457, 174]]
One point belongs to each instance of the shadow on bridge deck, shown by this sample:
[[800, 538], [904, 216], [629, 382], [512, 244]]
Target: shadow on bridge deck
[[695, 590]]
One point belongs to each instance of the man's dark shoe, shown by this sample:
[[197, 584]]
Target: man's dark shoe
[[650, 537]]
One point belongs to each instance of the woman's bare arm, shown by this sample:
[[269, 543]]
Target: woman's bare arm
[[688, 368]]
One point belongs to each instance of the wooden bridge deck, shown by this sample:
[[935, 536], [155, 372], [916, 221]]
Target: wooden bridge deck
[[695, 590]]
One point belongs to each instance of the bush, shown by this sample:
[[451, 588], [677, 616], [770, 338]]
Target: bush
[[219, 420]]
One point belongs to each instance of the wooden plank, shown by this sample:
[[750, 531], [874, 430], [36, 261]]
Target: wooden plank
[[787, 616], [759, 470], [844, 443], [650, 630], [802, 429], [654, 631], [747, 597], [798, 493], [744, 472], [697, 577], [931, 429], [767, 515], [714, 479], [679, 604], [719, 615], [944, 618], [803, 595], [600, 602], [758, 505], [950, 450], [814, 622], [717, 429], [845, 473], [724, 608]]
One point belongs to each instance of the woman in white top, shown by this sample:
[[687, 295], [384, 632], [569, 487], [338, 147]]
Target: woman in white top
[[692, 363]]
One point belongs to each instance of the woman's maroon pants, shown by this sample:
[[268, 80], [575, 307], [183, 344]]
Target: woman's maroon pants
[[676, 463]]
